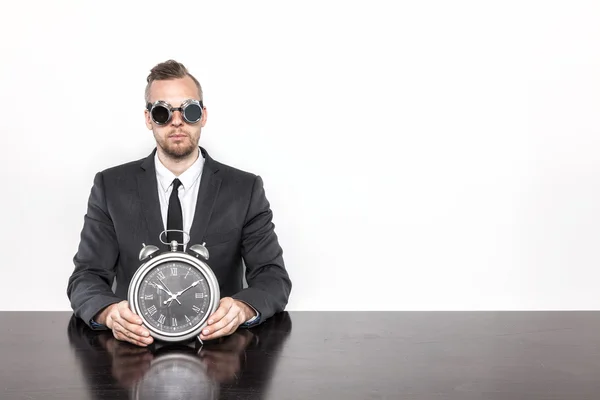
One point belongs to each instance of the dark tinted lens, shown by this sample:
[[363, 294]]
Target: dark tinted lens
[[193, 112], [160, 114]]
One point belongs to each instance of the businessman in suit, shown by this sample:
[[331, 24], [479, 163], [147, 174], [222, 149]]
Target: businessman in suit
[[178, 186]]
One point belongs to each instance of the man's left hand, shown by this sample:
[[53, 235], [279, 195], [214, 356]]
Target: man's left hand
[[223, 322]]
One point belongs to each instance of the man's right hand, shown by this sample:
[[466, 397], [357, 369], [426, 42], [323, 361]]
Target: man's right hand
[[125, 325]]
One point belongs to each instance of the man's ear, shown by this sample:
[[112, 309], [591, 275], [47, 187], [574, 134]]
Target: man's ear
[[148, 119], [204, 116]]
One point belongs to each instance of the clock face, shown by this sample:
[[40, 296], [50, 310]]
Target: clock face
[[174, 297]]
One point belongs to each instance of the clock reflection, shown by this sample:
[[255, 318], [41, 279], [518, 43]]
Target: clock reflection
[[223, 368], [175, 375]]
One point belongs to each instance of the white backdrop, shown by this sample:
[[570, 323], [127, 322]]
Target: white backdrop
[[418, 155]]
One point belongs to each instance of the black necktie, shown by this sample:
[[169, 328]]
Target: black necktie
[[175, 215]]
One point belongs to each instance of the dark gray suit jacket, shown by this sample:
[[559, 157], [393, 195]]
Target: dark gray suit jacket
[[232, 216]]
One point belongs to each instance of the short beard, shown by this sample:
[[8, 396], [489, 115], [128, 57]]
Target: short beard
[[178, 152]]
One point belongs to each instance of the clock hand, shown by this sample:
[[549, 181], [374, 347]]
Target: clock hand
[[176, 295], [167, 291], [172, 296], [187, 288], [156, 285]]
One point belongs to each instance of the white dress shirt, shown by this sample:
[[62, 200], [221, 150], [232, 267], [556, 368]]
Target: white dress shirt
[[188, 191]]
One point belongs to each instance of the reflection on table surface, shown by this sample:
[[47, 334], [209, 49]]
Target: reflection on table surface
[[243, 361], [328, 355]]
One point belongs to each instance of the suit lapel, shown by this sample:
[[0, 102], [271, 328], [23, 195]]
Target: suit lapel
[[148, 192], [207, 195]]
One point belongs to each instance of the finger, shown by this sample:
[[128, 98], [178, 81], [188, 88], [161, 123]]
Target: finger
[[224, 307], [228, 329], [136, 342], [134, 327], [137, 330], [232, 313], [131, 335], [123, 316], [121, 337], [128, 315]]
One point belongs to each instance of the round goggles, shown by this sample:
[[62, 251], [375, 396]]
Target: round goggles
[[162, 112]]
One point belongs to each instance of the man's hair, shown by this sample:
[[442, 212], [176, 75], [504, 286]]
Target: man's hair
[[170, 69]]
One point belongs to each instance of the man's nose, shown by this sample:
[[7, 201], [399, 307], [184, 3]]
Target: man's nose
[[177, 119]]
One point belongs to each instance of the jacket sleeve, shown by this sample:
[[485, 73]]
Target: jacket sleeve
[[90, 285], [269, 284]]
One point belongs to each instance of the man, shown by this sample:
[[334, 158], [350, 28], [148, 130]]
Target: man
[[178, 183]]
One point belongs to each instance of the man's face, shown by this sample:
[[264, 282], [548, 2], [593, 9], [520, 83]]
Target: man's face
[[177, 138]]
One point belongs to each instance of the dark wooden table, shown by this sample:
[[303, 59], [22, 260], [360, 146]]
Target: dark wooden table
[[314, 355]]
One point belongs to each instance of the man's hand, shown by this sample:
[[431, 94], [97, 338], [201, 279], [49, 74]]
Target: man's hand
[[124, 324], [226, 319]]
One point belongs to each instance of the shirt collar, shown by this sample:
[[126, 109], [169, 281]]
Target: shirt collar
[[187, 178]]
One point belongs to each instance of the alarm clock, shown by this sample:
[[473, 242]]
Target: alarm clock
[[174, 292]]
